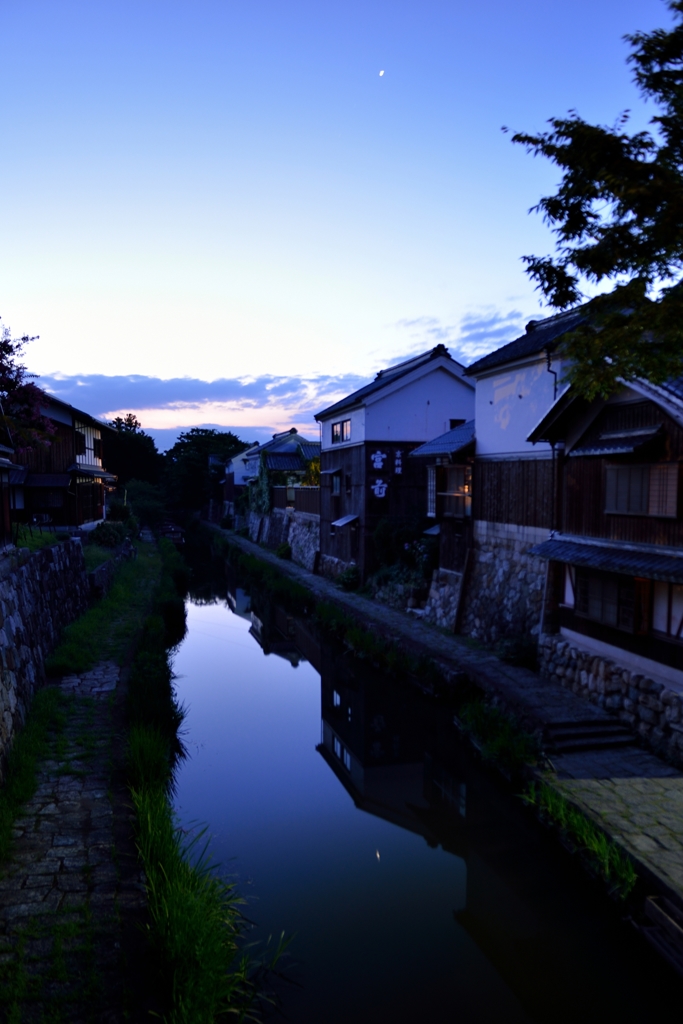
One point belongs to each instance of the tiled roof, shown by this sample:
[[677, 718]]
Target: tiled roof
[[449, 443], [310, 450], [384, 378], [285, 462], [618, 444], [540, 335], [650, 564]]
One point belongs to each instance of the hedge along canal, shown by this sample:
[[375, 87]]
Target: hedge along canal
[[351, 816], [79, 940]]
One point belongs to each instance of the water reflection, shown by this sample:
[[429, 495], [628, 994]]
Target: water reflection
[[428, 894]]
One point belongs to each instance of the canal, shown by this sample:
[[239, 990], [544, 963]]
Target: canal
[[412, 886]]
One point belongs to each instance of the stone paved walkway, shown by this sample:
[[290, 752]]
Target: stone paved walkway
[[638, 800], [72, 888], [636, 797]]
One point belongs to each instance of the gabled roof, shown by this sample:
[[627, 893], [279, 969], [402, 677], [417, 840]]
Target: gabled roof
[[450, 443], [541, 335], [668, 396], [284, 462], [386, 377]]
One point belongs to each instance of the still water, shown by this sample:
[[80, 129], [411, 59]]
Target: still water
[[413, 887]]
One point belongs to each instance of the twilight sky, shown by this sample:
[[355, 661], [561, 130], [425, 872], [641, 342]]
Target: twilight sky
[[228, 191]]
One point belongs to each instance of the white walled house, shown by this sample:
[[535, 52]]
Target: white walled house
[[513, 480], [365, 440]]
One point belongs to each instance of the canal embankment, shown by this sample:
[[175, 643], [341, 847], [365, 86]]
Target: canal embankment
[[632, 797]]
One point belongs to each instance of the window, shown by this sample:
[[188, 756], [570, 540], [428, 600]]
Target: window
[[79, 437], [618, 601], [667, 610], [336, 485], [337, 748], [347, 760], [97, 447], [341, 432], [456, 493], [336, 699], [347, 483], [431, 491], [642, 490]]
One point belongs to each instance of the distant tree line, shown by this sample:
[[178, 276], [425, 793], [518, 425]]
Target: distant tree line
[[183, 479]]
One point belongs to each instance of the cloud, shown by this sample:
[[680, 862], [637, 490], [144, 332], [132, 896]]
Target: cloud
[[475, 335], [253, 407]]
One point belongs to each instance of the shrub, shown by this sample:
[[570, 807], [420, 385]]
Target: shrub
[[519, 650], [108, 534], [117, 511], [349, 579]]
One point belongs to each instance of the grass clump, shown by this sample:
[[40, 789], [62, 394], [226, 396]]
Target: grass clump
[[195, 924], [615, 867], [34, 537], [95, 555], [31, 744], [500, 737], [104, 631]]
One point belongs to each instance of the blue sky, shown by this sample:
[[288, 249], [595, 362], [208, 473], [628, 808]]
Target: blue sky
[[230, 191]]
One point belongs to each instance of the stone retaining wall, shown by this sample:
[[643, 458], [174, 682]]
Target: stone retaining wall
[[504, 592], [652, 709], [301, 530], [40, 594]]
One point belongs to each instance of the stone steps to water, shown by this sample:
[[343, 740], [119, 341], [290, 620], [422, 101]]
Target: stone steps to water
[[663, 929], [588, 734]]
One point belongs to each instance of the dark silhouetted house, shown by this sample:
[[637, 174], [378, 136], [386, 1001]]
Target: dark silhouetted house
[[366, 475], [63, 482]]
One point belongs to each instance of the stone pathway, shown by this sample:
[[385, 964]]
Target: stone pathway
[[72, 891], [638, 800]]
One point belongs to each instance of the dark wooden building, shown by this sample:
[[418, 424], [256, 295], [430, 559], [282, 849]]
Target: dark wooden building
[[448, 500], [62, 482], [618, 551], [366, 475]]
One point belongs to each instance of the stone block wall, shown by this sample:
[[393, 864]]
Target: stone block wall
[[653, 710], [40, 594], [504, 591], [301, 530], [442, 602]]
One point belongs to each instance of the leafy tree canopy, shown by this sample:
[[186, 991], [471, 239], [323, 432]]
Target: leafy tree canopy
[[196, 462], [618, 219], [130, 452], [25, 426]]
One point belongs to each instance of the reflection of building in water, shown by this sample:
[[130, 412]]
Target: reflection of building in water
[[239, 602], [374, 736], [399, 758]]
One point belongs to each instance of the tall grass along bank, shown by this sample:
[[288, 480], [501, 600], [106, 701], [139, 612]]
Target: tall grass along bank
[[200, 972]]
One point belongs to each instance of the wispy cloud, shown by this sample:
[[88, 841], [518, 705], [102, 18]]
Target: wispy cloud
[[253, 407], [475, 334]]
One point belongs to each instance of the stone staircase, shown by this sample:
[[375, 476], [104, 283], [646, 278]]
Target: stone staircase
[[572, 736]]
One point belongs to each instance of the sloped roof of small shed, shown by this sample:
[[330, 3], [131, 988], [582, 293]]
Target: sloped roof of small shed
[[450, 443]]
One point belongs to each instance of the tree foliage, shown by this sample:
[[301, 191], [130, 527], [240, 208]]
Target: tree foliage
[[25, 426], [196, 462], [130, 453], [618, 220]]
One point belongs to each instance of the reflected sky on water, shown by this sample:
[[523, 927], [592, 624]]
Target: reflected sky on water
[[413, 887]]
